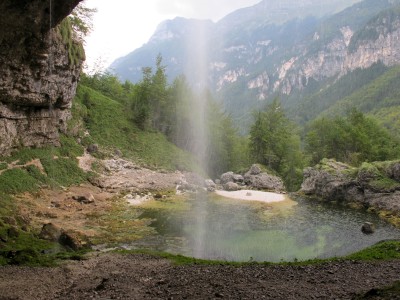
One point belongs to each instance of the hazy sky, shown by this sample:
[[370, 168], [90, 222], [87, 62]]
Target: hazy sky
[[121, 26]]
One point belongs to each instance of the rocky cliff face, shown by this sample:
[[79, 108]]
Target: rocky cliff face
[[341, 55], [38, 78]]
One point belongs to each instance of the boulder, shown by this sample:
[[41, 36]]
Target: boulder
[[265, 181], [227, 177], [328, 180], [231, 186], [257, 179], [210, 185], [238, 178], [254, 170]]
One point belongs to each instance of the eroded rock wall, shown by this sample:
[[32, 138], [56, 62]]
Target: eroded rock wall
[[38, 80]]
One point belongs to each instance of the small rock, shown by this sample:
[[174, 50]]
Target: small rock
[[56, 204], [255, 170], [117, 153], [93, 148], [102, 284], [368, 228], [85, 199], [158, 196], [249, 194], [71, 240], [50, 232]]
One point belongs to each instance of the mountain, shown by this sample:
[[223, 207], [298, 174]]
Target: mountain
[[291, 49]]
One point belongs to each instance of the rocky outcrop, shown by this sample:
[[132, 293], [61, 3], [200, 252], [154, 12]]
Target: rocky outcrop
[[39, 72], [373, 185], [255, 178]]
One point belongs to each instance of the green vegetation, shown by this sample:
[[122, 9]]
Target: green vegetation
[[381, 251], [353, 140], [76, 53], [275, 144], [155, 116], [381, 93], [110, 125], [60, 168]]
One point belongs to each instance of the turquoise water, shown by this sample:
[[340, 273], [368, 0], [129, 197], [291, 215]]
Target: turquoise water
[[234, 230]]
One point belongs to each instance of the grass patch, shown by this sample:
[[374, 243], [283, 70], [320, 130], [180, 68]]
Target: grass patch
[[381, 251], [60, 166], [64, 171], [15, 181]]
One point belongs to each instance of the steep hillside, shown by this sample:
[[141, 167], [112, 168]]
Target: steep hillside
[[102, 120], [290, 49]]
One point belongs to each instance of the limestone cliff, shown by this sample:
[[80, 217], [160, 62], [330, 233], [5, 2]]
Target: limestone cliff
[[38, 76]]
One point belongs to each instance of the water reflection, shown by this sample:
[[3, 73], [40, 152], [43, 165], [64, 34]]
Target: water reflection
[[217, 228]]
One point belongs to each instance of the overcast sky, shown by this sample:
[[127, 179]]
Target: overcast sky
[[121, 26]]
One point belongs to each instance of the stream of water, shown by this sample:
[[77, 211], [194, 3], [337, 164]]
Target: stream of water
[[212, 227]]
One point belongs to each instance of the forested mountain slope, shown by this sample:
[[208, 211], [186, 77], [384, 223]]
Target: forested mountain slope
[[253, 55]]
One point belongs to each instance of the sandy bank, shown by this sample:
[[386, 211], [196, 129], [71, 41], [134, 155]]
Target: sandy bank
[[249, 195]]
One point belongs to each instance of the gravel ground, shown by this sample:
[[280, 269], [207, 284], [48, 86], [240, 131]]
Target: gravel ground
[[136, 276]]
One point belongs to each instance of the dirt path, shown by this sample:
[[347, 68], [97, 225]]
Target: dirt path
[[113, 276]]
